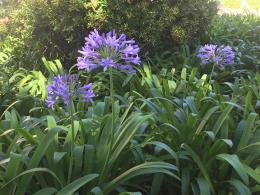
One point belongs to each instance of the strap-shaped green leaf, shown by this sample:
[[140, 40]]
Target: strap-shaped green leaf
[[234, 161], [77, 184]]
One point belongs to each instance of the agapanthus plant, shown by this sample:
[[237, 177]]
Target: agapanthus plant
[[108, 50], [218, 55], [65, 88]]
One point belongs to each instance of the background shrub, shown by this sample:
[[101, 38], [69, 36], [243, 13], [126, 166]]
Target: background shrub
[[46, 28], [56, 29], [160, 24], [240, 32]]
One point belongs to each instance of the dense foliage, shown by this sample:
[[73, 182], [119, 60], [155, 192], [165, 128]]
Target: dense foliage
[[185, 121], [180, 118], [55, 29]]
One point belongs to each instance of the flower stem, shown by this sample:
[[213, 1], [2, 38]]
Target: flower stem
[[104, 170], [212, 71], [112, 102], [72, 142], [210, 77]]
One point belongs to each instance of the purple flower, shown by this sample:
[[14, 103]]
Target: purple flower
[[207, 54], [220, 55], [86, 93], [66, 87], [224, 55], [108, 50], [107, 62]]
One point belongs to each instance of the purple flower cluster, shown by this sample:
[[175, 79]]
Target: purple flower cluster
[[65, 87], [207, 54], [108, 50], [225, 55], [220, 55]]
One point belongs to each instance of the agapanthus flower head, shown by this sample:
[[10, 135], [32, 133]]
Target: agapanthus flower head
[[65, 88], [108, 50], [220, 55]]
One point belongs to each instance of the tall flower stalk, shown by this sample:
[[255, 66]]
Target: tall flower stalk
[[71, 111], [108, 51], [112, 102], [65, 89]]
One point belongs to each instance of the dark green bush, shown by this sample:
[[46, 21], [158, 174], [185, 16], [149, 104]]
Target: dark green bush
[[47, 28], [56, 28], [161, 24]]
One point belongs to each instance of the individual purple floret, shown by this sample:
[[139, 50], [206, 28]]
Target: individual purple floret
[[64, 87], [108, 50], [220, 55]]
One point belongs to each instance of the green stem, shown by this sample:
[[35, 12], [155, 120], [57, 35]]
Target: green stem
[[212, 71], [104, 170], [112, 102], [72, 142], [210, 77]]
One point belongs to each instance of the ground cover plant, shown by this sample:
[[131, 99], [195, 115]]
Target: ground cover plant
[[182, 121]]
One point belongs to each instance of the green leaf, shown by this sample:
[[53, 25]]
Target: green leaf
[[29, 172], [252, 148], [126, 133], [130, 193], [255, 189], [13, 166], [157, 184], [89, 159], [51, 122], [34, 161], [216, 148], [46, 191], [234, 161], [247, 130], [252, 173], [239, 187], [248, 103], [193, 74], [97, 191], [28, 136], [203, 186], [142, 169], [163, 146], [77, 184], [184, 74], [206, 118], [59, 66], [58, 156], [185, 181], [202, 168], [222, 118], [78, 158], [12, 170]]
